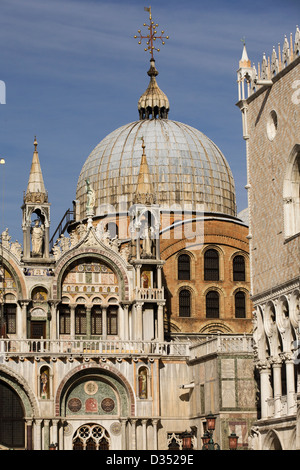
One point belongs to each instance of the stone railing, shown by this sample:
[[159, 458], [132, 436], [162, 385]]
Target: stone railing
[[280, 404], [220, 344], [143, 293], [45, 347]]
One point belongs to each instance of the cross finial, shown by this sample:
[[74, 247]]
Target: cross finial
[[152, 35]]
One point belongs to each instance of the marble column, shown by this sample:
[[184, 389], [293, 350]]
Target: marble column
[[72, 320], [154, 424], [29, 443], [104, 322], [160, 321], [54, 433], [138, 333], [277, 386], [61, 436], [138, 244], [22, 319], [144, 429], [126, 322], [133, 434], [88, 322], [159, 276], [290, 382], [138, 275], [123, 431], [54, 326], [265, 386], [46, 434], [38, 434]]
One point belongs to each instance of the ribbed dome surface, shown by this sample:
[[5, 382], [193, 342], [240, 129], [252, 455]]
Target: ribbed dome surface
[[187, 168]]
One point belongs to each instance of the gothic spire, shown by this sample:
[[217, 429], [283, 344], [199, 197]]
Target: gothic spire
[[36, 191], [144, 192]]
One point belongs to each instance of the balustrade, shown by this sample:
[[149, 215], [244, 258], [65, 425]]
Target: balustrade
[[222, 344], [149, 293], [13, 347]]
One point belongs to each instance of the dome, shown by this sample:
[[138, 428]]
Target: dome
[[187, 168]]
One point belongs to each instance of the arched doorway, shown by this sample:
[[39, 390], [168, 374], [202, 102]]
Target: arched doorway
[[12, 425], [91, 436]]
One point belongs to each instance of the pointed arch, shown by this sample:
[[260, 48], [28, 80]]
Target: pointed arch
[[272, 441]]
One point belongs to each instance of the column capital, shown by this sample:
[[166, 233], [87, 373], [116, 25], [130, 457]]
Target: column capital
[[275, 361], [263, 366], [24, 303], [28, 421], [287, 357], [54, 302]]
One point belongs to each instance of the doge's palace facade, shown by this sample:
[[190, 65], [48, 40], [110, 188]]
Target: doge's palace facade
[[270, 106]]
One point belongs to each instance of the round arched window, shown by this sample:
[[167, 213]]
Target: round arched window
[[184, 267], [211, 265], [184, 303], [212, 304]]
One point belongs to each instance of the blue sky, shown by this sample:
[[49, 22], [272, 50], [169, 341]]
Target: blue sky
[[74, 73]]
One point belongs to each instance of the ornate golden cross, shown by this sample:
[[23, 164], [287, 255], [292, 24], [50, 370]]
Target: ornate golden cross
[[152, 36]]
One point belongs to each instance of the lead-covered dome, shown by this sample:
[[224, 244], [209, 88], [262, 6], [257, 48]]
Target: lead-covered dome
[[187, 169]]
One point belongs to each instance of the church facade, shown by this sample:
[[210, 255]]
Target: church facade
[[269, 102], [127, 329]]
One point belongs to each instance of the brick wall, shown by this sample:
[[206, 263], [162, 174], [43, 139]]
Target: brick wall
[[275, 257], [228, 238]]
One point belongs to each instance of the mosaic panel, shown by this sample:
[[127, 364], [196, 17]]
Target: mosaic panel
[[89, 278]]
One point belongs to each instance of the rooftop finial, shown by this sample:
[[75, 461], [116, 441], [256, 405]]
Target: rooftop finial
[[244, 62], [35, 144], [152, 35], [144, 192]]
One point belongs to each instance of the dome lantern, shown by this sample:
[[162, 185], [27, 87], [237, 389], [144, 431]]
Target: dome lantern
[[153, 104]]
